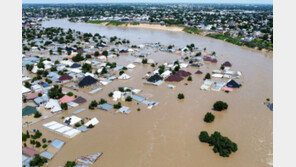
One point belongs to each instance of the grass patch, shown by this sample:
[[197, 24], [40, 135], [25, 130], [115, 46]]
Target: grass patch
[[96, 22], [192, 30], [115, 23]]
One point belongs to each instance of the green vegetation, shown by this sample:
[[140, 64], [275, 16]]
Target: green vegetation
[[102, 101], [121, 72], [93, 104], [208, 76], [96, 22], [128, 98], [38, 160], [161, 69], [260, 43], [70, 94], [37, 114], [121, 89], [90, 126], [55, 92], [117, 106], [192, 30], [44, 145], [209, 117], [181, 96], [115, 23], [220, 105], [37, 144], [189, 78], [110, 94], [86, 68], [77, 125], [37, 135], [27, 84], [144, 61], [104, 71], [105, 53], [70, 164], [135, 23], [64, 106], [77, 58], [221, 144]]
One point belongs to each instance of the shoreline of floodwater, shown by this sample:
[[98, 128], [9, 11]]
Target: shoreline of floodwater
[[173, 28]]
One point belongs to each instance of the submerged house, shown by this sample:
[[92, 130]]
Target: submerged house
[[232, 84], [64, 78], [28, 110], [227, 64], [154, 78], [198, 72], [87, 81], [79, 100], [75, 65]]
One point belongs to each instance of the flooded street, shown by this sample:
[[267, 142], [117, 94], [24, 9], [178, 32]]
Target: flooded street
[[167, 135]]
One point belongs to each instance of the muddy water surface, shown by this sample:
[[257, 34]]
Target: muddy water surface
[[167, 135]]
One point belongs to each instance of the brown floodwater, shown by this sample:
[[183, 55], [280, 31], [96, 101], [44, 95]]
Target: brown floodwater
[[167, 135]]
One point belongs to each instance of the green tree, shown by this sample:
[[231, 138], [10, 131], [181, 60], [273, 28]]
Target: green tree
[[64, 106], [105, 53], [144, 61], [27, 84], [189, 78], [181, 96], [128, 98], [209, 117], [37, 114], [38, 160], [102, 101], [93, 104], [70, 164], [55, 92], [121, 72], [208, 76], [110, 94], [117, 106], [220, 105], [204, 136]]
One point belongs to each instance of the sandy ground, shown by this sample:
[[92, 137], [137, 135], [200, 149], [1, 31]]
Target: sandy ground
[[177, 29], [150, 26]]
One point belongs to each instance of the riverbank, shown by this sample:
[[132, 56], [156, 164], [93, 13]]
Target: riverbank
[[178, 29], [140, 25]]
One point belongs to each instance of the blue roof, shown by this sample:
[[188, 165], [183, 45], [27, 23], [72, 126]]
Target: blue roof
[[41, 99], [45, 85], [105, 106], [270, 106], [24, 63], [32, 59], [75, 65], [53, 74], [95, 91], [47, 155], [57, 143], [117, 68], [138, 98], [82, 128], [26, 162], [78, 111]]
